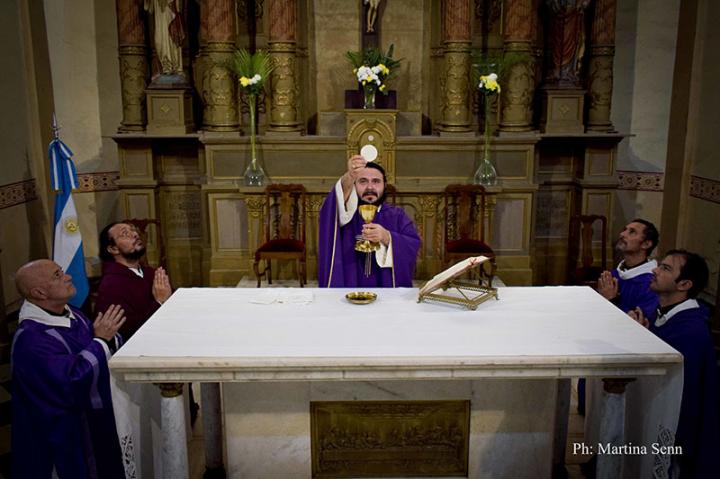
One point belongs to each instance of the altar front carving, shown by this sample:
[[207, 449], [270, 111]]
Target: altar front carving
[[552, 145]]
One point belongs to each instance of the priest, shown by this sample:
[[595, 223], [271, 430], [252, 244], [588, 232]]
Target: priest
[[339, 264], [62, 414], [682, 322]]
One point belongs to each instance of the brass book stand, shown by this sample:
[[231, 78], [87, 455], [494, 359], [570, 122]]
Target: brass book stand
[[465, 293]]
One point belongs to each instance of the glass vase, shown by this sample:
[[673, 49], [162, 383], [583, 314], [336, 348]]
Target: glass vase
[[485, 175], [254, 174], [369, 99]]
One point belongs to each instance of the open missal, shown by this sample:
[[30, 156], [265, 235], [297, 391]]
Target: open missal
[[448, 288]]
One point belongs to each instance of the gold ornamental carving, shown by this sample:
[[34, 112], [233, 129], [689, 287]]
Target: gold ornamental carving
[[456, 99], [170, 390], [389, 438], [218, 88], [600, 71], [377, 128], [283, 109], [600, 79], [133, 78], [517, 97]]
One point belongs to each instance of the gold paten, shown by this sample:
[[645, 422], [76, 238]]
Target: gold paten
[[368, 215], [389, 438], [361, 297]]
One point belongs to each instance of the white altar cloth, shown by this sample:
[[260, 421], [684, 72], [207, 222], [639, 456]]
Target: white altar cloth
[[220, 335]]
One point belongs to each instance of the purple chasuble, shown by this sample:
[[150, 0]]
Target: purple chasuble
[[698, 431], [634, 290], [340, 266], [62, 414]]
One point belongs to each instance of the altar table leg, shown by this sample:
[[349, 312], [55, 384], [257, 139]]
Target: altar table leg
[[560, 433], [612, 427], [212, 425], [174, 435]]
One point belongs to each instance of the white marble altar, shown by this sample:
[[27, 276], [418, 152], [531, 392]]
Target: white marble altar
[[505, 357]]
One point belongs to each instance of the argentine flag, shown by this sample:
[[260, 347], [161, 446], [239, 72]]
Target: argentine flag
[[67, 244]]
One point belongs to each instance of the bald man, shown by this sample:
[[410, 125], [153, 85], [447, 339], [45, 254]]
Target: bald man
[[62, 414]]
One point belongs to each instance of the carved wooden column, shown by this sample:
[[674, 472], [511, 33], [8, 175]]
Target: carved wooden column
[[456, 37], [563, 96], [283, 28], [216, 84], [133, 64], [600, 75], [517, 97]]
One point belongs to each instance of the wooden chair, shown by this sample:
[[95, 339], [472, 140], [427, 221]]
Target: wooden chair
[[580, 239], [465, 224], [142, 227], [390, 193], [284, 230]]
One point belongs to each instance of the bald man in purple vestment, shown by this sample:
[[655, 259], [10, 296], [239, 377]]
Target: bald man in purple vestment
[[62, 415], [339, 265]]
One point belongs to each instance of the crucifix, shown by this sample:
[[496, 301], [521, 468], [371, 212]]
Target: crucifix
[[371, 23]]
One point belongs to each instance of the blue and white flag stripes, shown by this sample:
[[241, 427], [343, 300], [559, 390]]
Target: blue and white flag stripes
[[67, 245]]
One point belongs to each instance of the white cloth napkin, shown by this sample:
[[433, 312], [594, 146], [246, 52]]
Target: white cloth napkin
[[283, 296]]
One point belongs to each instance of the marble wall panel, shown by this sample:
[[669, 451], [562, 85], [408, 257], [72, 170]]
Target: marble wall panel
[[230, 227], [138, 203], [182, 207], [552, 213], [511, 230], [136, 163], [270, 422], [600, 162]]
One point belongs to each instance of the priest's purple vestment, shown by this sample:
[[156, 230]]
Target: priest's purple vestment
[[685, 328], [62, 414], [339, 265]]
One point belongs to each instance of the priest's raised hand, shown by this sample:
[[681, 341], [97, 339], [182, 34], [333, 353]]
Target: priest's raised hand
[[341, 226]]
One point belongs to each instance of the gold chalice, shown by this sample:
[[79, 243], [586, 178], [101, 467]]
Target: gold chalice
[[368, 214]]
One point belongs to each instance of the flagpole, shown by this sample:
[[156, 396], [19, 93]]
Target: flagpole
[[55, 128]]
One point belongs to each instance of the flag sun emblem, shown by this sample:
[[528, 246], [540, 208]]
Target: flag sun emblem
[[71, 225]]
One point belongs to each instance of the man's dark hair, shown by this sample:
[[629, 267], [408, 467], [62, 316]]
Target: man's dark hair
[[651, 233], [695, 269], [105, 241], [372, 164], [381, 200]]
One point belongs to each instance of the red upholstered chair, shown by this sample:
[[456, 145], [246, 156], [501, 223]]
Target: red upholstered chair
[[464, 224], [580, 238], [284, 230]]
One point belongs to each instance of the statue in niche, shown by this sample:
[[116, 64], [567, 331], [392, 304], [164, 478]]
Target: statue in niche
[[566, 37], [169, 34], [372, 12]]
